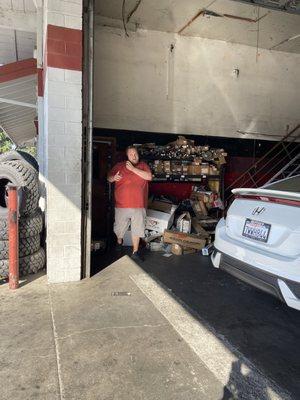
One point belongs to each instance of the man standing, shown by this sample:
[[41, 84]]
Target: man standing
[[131, 196]]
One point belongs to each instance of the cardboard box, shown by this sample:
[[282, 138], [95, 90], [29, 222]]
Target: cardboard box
[[167, 167], [185, 169], [208, 223], [203, 208], [157, 220], [164, 206], [189, 251], [158, 167], [179, 168], [196, 169], [150, 236], [176, 249], [222, 159], [199, 207], [196, 224], [207, 198], [179, 250], [205, 168], [184, 239], [213, 170], [218, 203], [214, 185], [184, 223]]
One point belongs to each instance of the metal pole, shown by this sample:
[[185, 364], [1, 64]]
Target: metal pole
[[13, 236], [88, 134]]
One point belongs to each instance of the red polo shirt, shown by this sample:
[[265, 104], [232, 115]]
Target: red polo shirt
[[132, 190]]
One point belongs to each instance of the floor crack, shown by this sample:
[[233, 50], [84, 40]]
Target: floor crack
[[55, 335]]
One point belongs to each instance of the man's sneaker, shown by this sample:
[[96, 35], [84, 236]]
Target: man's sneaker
[[136, 256]]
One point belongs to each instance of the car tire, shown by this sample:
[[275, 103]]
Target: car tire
[[27, 246], [19, 174], [27, 265], [29, 226], [21, 156]]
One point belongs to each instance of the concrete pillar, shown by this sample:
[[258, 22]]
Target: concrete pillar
[[62, 125]]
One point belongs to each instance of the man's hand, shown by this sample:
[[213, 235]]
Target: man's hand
[[146, 175], [114, 178], [129, 166], [117, 177]]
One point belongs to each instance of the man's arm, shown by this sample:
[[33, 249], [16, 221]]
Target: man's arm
[[147, 175]]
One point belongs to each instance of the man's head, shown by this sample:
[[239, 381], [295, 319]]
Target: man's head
[[132, 155]]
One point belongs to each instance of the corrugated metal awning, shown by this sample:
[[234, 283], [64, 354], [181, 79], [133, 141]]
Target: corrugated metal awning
[[18, 99]]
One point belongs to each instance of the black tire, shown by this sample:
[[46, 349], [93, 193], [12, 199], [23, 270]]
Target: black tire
[[27, 246], [29, 226], [27, 265], [21, 156], [18, 173]]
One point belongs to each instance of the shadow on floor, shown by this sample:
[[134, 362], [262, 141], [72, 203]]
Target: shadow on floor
[[238, 380], [100, 261], [262, 328], [24, 280]]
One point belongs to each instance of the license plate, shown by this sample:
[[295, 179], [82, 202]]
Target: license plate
[[256, 230]]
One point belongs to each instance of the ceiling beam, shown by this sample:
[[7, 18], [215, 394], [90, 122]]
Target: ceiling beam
[[18, 20]]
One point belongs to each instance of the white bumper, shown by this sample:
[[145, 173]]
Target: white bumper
[[283, 269]]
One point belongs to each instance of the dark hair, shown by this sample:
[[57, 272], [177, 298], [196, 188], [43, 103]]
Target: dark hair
[[131, 147]]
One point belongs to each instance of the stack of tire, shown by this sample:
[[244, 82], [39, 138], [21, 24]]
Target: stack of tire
[[21, 169]]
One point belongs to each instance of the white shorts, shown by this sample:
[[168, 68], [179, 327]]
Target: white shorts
[[133, 217]]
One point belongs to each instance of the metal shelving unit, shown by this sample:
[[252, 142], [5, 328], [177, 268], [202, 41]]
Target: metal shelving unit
[[183, 178]]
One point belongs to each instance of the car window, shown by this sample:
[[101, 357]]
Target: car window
[[286, 185]]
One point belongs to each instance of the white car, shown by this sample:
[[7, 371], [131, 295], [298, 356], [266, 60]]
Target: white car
[[259, 240]]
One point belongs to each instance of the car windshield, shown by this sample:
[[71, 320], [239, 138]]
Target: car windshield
[[286, 185]]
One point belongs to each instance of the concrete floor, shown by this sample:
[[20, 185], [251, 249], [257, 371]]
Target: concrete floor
[[186, 331], [260, 327]]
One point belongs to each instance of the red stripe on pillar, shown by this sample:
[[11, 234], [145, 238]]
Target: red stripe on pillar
[[65, 34], [64, 62], [63, 48], [40, 82]]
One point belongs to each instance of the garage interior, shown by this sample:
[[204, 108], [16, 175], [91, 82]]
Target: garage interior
[[212, 72], [208, 71]]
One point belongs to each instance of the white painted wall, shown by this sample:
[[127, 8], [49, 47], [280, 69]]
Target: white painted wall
[[140, 85], [63, 138]]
